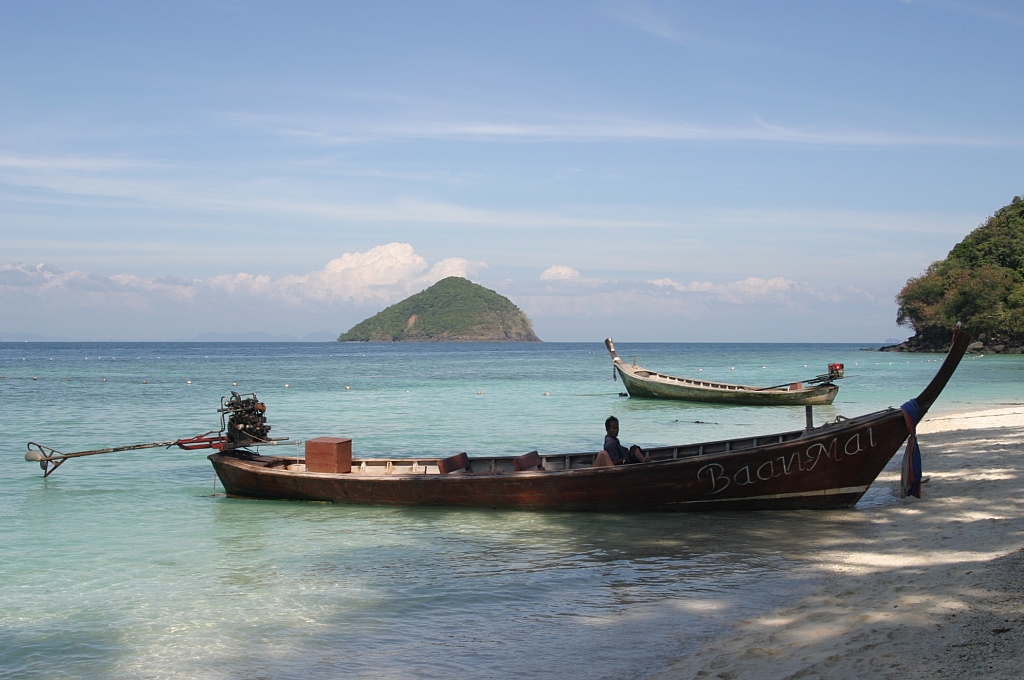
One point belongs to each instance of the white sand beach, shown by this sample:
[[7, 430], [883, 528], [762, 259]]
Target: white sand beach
[[917, 588]]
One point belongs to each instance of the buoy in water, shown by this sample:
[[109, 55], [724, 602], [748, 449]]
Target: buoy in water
[[145, 382], [347, 387], [479, 391], [545, 394], [104, 380], [234, 384], [189, 382], [287, 385]]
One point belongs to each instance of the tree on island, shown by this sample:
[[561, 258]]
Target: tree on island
[[980, 283], [452, 310]]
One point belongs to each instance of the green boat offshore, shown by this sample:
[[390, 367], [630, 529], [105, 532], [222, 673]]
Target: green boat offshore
[[642, 382]]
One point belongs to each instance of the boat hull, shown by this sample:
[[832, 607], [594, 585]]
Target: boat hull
[[684, 389], [827, 467]]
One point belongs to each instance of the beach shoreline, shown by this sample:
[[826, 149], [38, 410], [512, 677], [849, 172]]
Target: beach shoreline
[[930, 587]]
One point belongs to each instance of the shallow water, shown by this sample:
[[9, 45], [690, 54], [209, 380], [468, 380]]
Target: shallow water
[[136, 565]]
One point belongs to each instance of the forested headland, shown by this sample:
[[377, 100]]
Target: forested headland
[[980, 284]]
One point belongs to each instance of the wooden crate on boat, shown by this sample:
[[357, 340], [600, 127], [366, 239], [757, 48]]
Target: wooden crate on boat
[[329, 454]]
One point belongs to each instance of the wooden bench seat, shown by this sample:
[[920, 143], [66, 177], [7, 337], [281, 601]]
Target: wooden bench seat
[[457, 462], [528, 461]]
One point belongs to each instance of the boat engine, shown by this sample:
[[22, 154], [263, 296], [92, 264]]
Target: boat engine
[[835, 372], [246, 420]]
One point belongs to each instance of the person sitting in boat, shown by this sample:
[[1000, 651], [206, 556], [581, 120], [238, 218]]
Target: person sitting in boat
[[615, 453]]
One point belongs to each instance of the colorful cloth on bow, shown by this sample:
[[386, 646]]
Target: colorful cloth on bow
[[910, 481]]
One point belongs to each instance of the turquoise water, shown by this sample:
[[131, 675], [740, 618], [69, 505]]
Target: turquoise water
[[136, 565]]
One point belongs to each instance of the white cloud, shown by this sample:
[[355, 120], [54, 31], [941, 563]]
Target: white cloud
[[24, 276], [355, 276], [68, 181], [753, 309], [384, 273], [641, 17], [130, 306], [46, 301], [611, 128], [50, 163], [559, 272], [738, 291]]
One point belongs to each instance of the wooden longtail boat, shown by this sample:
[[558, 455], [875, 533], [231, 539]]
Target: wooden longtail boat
[[642, 382], [829, 466]]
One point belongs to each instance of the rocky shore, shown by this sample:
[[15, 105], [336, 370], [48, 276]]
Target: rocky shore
[[983, 345]]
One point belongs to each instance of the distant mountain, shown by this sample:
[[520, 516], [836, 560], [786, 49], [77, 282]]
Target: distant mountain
[[250, 336], [452, 310], [260, 336], [31, 337]]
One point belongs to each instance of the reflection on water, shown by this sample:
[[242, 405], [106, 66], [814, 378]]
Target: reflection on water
[[127, 566]]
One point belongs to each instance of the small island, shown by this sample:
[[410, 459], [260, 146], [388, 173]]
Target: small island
[[980, 284], [452, 310]]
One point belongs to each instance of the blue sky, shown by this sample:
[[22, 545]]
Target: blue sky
[[728, 171]]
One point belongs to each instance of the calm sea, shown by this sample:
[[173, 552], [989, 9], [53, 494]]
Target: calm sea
[[135, 565]]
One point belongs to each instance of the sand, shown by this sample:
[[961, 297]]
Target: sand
[[918, 588]]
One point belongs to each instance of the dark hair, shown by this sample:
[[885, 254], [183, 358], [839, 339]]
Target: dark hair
[[609, 421]]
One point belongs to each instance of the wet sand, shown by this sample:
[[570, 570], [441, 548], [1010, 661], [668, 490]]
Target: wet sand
[[917, 588]]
